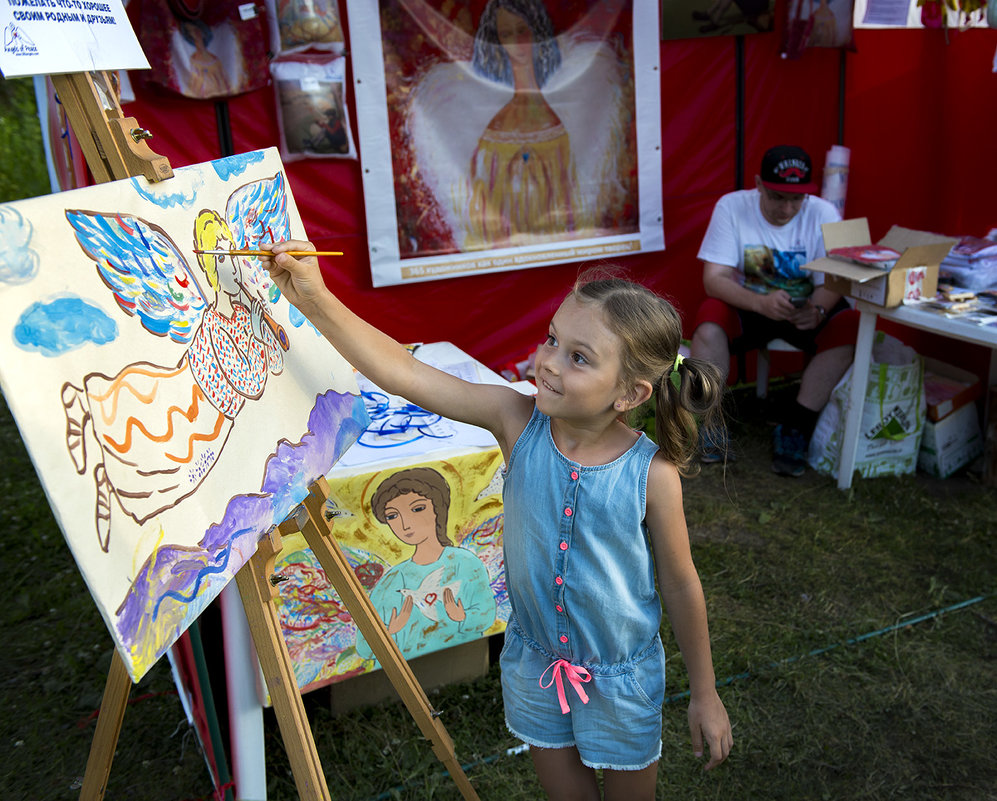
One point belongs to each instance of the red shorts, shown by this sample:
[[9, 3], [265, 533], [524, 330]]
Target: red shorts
[[748, 331]]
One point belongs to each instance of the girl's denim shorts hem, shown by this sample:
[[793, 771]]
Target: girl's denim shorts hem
[[609, 766], [533, 742], [594, 765], [620, 726]]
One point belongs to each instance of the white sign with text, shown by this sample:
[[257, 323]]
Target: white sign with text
[[41, 37]]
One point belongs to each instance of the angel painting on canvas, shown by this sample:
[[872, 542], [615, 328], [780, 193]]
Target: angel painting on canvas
[[150, 434], [175, 406], [424, 541]]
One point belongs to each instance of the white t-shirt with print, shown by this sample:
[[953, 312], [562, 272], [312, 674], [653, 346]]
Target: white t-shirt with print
[[768, 256]]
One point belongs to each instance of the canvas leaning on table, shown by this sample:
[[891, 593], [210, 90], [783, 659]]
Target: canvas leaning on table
[[447, 590]]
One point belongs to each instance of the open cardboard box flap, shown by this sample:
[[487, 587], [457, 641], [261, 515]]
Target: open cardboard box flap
[[917, 249]]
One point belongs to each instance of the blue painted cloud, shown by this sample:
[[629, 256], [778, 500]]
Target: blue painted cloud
[[236, 165], [62, 325], [183, 199], [18, 262]]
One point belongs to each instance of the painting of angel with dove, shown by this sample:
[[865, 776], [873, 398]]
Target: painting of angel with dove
[[175, 406], [160, 428], [420, 599]]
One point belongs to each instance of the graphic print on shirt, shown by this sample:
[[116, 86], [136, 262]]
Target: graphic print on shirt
[[767, 269]]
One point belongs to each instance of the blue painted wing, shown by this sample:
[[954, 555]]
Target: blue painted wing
[[256, 213], [144, 269]]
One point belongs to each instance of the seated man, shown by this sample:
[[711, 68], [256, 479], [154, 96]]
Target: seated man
[[753, 255]]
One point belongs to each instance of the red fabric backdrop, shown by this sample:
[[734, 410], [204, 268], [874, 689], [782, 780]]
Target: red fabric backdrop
[[920, 117]]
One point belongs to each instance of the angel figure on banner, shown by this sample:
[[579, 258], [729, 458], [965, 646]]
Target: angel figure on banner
[[159, 429], [524, 135]]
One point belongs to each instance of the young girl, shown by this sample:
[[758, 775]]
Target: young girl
[[587, 500]]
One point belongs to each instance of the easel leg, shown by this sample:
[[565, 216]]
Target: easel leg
[[257, 598], [337, 569], [105, 738]]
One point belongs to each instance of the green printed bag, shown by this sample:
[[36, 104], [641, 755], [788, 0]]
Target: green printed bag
[[893, 415]]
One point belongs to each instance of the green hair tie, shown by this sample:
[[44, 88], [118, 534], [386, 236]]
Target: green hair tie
[[674, 376]]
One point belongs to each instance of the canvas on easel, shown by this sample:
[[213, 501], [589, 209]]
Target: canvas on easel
[[171, 494], [175, 406]]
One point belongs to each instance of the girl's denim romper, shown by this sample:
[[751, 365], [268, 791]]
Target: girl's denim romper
[[581, 580]]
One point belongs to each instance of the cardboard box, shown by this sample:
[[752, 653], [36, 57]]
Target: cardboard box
[[990, 440], [464, 662], [951, 443], [947, 388], [914, 276]]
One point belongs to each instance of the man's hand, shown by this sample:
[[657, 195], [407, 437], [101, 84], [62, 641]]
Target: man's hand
[[777, 306], [807, 317]]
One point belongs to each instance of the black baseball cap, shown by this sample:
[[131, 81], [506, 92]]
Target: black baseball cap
[[787, 168]]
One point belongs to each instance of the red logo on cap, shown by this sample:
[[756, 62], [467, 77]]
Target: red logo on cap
[[791, 170]]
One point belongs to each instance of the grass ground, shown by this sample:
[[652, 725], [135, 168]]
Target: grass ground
[[22, 168], [853, 668]]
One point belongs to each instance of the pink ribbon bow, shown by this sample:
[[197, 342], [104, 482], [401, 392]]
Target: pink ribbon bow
[[576, 675]]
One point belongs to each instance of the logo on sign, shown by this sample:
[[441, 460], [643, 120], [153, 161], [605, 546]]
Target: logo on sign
[[16, 42]]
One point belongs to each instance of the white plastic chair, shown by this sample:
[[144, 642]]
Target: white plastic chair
[[762, 367]]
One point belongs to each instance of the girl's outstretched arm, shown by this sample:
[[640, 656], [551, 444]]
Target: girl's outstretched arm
[[499, 409], [682, 594]]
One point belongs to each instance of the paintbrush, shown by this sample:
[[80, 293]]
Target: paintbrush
[[267, 252]]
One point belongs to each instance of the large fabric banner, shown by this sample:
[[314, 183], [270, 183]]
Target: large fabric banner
[[506, 134], [175, 405]]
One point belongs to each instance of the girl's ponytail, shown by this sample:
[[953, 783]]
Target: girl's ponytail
[[688, 397]]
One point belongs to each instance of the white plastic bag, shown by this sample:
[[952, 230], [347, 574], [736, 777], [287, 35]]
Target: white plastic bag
[[893, 415]]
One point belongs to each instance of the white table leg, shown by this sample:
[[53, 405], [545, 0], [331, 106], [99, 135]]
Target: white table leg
[[860, 378]]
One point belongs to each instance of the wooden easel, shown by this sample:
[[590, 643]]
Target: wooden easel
[[317, 531], [115, 147]]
